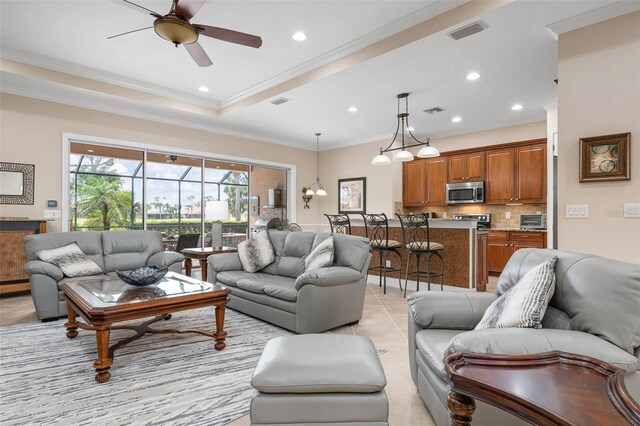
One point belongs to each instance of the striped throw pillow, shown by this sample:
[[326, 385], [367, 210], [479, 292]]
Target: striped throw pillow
[[321, 256], [256, 252], [71, 260], [524, 304]]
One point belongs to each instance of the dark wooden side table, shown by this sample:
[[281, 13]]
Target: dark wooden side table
[[202, 254], [553, 388]]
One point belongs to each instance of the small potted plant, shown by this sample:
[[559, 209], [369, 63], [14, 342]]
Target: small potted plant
[[306, 198]]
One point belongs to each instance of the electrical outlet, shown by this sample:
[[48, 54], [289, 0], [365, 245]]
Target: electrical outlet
[[507, 215], [444, 215], [388, 265], [631, 209]]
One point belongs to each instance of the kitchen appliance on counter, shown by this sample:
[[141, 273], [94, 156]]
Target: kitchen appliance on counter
[[465, 193], [484, 219], [533, 221], [430, 215]]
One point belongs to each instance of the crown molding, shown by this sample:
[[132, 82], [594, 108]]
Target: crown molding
[[158, 117], [421, 15], [104, 77], [609, 11]]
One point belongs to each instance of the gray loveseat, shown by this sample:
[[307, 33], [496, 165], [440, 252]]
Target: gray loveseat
[[111, 250], [284, 294], [595, 311]]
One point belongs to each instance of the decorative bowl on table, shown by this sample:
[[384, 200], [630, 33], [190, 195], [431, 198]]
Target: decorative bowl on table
[[141, 277]]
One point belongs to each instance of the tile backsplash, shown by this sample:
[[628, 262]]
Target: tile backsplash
[[498, 212]]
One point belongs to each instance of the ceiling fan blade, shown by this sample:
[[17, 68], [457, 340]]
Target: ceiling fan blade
[[128, 32], [198, 54], [186, 9], [139, 8], [230, 35]]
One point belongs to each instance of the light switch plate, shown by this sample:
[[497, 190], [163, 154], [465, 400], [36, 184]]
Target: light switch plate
[[577, 211], [631, 209], [52, 214]]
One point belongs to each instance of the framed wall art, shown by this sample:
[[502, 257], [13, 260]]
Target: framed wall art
[[605, 158], [255, 205], [16, 183], [352, 195]]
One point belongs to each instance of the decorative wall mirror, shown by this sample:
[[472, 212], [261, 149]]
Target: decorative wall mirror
[[16, 183]]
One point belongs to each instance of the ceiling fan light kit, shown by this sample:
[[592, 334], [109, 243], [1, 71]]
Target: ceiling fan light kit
[[403, 155], [175, 30]]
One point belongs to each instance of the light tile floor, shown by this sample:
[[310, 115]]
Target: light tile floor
[[384, 321]]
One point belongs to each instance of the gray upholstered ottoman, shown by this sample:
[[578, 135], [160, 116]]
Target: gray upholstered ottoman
[[319, 379]]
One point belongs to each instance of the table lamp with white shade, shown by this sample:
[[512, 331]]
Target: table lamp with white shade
[[216, 211]]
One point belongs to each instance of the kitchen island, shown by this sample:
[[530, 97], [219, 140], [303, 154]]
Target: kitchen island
[[462, 249]]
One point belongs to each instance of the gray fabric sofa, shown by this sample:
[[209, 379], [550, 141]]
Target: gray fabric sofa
[[595, 311], [285, 295], [111, 250]]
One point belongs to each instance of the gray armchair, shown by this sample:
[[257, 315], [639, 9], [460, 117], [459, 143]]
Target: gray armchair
[[110, 250], [595, 311]]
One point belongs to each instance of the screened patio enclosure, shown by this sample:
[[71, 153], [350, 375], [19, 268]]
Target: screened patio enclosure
[[113, 188]]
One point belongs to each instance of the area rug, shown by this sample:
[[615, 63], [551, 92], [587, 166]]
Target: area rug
[[166, 379]]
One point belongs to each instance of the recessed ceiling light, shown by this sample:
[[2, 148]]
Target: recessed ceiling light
[[473, 76], [352, 109], [203, 89], [299, 36], [517, 107], [456, 119], [411, 129]]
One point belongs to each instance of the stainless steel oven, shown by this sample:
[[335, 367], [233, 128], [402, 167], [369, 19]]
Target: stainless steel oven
[[465, 193]]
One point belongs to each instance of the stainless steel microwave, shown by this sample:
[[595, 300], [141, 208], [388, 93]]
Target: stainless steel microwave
[[465, 193]]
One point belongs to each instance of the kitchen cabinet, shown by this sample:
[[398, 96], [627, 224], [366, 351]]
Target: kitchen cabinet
[[424, 181], [482, 259], [436, 181], [466, 167], [414, 183], [517, 175], [502, 244]]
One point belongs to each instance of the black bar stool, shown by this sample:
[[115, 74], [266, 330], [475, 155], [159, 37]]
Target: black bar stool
[[377, 230], [417, 241], [340, 223]]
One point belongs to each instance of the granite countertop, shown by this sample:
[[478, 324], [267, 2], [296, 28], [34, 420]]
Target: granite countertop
[[18, 219], [517, 230]]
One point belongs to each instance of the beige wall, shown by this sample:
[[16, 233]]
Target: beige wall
[[599, 94], [384, 183], [31, 132]]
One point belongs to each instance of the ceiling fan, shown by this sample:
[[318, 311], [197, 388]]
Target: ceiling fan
[[176, 28]]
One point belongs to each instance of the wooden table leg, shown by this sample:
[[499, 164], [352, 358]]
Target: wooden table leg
[[461, 407], [220, 334], [103, 363], [187, 266], [71, 325], [203, 269]]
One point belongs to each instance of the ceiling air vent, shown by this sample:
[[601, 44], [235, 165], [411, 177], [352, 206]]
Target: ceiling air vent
[[434, 110], [468, 30], [280, 101]]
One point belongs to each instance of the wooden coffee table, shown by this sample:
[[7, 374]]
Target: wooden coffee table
[[553, 388], [201, 254], [103, 302]]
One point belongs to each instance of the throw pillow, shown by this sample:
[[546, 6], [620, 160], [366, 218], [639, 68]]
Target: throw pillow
[[321, 256], [256, 252], [524, 304], [71, 260]]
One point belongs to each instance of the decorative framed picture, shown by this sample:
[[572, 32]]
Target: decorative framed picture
[[352, 195], [16, 183], [255, 205], [605, 157]]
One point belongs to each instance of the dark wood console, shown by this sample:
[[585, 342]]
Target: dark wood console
[[12, 275]]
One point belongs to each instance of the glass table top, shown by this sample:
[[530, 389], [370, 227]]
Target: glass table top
[[114, 290]]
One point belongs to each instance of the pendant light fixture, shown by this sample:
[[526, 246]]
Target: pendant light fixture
[[319, 188], [402, 154]]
